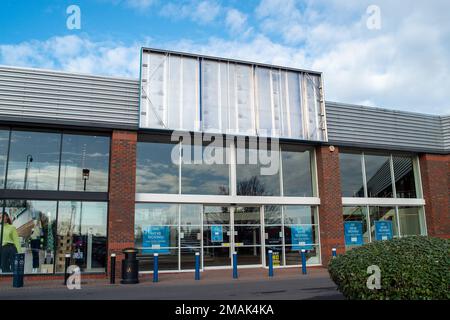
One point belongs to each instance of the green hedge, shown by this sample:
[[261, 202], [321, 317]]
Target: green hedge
[[411, 268]]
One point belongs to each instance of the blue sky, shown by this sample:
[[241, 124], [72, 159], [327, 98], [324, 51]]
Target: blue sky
[[404, 64]]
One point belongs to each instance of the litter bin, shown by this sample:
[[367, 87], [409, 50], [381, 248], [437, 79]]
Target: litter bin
[[130, 267], [18, 270]]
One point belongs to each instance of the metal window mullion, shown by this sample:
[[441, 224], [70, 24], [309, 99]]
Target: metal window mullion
[[280, 159], [363, 166], [283, 241], [368, 224], [391, 166], [179, 237], [232, 168], [398, 222], [262, 244]]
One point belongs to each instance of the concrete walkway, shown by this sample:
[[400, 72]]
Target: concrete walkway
[[287, 283]]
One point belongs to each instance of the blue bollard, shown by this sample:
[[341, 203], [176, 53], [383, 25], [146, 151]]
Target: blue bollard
[[155, 267], [235, 271], [197, 266], [303, 253], [270, 263], [333, 253]]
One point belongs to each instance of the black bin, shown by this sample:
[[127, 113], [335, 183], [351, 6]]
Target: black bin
[[130, 267]]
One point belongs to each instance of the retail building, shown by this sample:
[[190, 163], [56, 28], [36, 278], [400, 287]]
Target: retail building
[[89, 166]]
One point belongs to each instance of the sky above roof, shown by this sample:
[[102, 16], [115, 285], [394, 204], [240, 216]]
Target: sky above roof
[[392, 54]]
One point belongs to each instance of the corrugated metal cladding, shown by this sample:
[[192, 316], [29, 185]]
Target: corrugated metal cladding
[[40, 96], [446, 132], [55, 97], [359, 126]]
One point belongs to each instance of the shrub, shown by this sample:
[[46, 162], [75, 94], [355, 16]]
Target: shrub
[[411, 268]]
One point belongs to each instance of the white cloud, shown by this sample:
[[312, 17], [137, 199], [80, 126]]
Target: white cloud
[[235, 20], [140, 4], [201, 12]]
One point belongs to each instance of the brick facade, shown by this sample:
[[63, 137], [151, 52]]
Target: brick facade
[[435, 174], [330, 210], [121, 194]]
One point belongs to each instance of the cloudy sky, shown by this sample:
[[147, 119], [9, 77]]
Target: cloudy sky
[[400, 61]]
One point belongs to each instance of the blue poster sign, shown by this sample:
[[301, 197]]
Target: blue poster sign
[[154, 238], [216, 233], [383, 230], [353, 231], [301, 237]]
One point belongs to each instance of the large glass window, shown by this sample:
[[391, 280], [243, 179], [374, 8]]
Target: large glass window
[[32, 232], [383, 223], [33, 160], [84, 163], [405, 185], [206, 172], [356, 230], [251, 178], [297, 176], [156, 172], [82, 234], [351, 175], [411, 221], [4, 141], [378, 176]]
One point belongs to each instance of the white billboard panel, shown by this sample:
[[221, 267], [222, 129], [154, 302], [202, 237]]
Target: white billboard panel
[[196, 93]]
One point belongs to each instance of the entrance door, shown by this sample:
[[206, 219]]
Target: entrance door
[[229, 229]]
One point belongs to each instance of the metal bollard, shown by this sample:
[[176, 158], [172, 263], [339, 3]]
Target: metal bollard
[[333, 253], [303, 253], [18, 270], [155, 267], [270, 253], [197, 266], [66, 266], [112, 278], [235, 271]]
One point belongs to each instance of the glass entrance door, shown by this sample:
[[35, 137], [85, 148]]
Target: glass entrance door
[[229, 229]]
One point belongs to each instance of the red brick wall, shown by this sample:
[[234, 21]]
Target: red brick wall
[[330, 210], [435, 174], [121, 194]]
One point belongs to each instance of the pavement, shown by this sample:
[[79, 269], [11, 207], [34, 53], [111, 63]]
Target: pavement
[[252, 284]]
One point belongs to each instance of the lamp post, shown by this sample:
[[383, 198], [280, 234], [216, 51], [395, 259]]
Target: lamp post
[[85, 179], [27, 167]]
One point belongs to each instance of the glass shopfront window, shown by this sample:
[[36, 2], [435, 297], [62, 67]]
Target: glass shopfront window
[[383, 223], [297, 175], [4, 141], [352, 183], [405, 185], [156, 172], [378, 176], [356, 230], [411, 221], [82, 234], [47, 230], [32, 232], [210, 176], [33, 160], [84, 163], [250, 180]]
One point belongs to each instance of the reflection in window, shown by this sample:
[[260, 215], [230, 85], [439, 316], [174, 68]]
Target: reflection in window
[[405, 185], [82, 234], [34, 223], [210, 176], [383, 223], [297, 177], [34, 160], [410, 220], [4, 139], [378, 173], [351, 175], [249, 178], [155, 170], [84, 163]]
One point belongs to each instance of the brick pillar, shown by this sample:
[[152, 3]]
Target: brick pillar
[[330, 210], [435, 174], [121, 195]]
